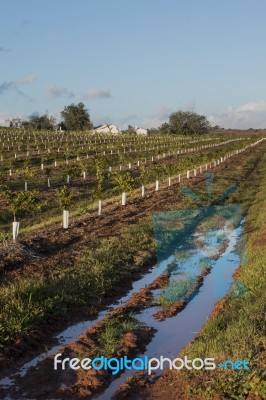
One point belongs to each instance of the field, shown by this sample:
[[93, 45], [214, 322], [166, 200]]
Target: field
[[91, 283]]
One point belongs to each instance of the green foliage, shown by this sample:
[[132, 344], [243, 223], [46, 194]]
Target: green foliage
[[48, 171], [46, 158], [76, 117], [26, 170], [73, 169], [123, 181], [40, 122], [165, 129], [159, 171], [23, 202], [144, 176], [112, 332], [64, 197], [187, 123]]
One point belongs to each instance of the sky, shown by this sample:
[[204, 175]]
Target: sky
[[135, 61]]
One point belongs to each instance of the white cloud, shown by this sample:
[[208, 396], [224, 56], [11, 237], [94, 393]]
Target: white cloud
[[159, 116], [249, 115], [28, 80], [55, 91], [97, 94]]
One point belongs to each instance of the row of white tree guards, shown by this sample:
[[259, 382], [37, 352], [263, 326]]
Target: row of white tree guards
[[200, 169]]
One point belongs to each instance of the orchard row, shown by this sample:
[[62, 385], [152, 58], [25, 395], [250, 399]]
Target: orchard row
[[84, 194]]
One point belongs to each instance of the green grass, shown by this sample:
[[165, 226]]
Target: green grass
[[113, 331], [176, 291]]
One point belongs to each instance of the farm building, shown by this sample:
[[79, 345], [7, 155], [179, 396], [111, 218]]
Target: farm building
[[106, 129], [141, 131], [138, 131]]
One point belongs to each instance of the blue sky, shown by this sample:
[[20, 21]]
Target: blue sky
[[134, 62]]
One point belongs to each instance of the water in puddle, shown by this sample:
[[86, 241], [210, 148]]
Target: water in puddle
[[173, 334]]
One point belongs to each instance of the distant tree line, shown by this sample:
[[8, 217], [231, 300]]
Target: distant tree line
[[77, 117], [74, 117]]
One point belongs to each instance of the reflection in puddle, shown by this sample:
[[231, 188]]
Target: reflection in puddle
[[173, 334]]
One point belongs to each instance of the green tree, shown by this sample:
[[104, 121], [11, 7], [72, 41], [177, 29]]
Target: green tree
[[123, 181], [76, 117], [144, 176], [188, 123], [40, 122], [165, 128], [19, 202], [64, 197], [73, 169]]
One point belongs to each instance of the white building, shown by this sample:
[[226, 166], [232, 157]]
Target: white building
[[138, 131], [106, 129], [141, 131]]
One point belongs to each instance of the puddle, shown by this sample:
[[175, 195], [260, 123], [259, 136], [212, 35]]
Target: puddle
[[174, 333]]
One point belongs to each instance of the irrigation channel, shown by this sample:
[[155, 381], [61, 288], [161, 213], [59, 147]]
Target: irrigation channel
[[213, 249]]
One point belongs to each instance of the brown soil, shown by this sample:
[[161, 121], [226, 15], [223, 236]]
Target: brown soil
[[132, 343], [170, 311], [160, 282]]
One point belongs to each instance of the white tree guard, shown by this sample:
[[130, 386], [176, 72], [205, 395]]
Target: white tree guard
[[65, 219], [15, 227], [124, 198], [100, 207]]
